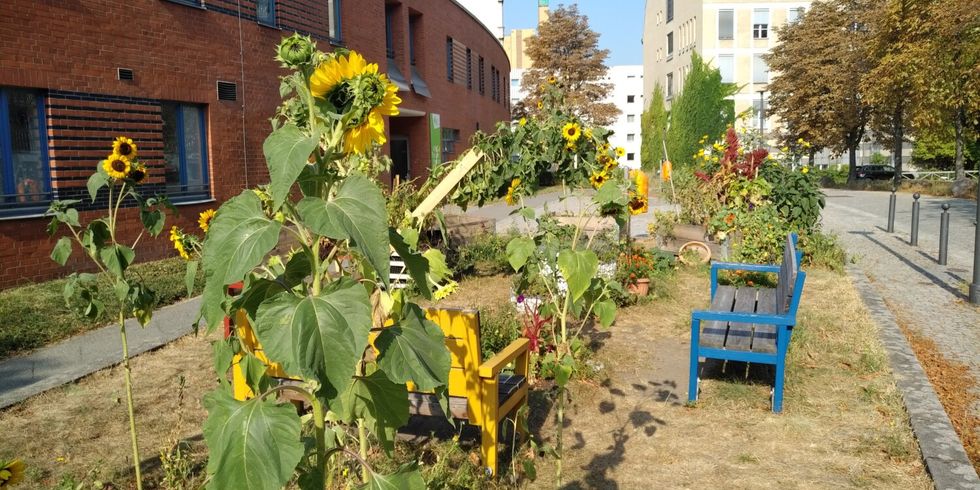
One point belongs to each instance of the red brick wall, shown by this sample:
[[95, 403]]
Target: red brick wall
[[70, 51]]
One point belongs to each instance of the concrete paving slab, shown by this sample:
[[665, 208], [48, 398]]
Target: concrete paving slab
[[25, 376]]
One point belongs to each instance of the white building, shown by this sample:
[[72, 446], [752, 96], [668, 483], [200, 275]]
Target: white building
[[627, 95], [516, 92], [490, 13]]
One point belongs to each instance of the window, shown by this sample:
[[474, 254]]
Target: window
[[192, 3], [670, 10], [25, 181], [670, 44], [185, 151], [794, 14], [480, 75], [449, 59], [469, 68], [412, 27], [630, 99], [757, 109], [760, 23], [726, 24], [760, 69], [418, 84], [726, 66], [630, 137], [670, 85], [389, 37], [449, 139], [630, 118], [630, 156], [265, 12], [333, 19]]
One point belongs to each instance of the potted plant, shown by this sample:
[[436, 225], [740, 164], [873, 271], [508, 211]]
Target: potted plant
[[634, 268]]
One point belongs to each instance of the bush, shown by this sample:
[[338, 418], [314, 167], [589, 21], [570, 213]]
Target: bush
[[696, 198], [796, 195], [822, 250], [483, 255], [499, 326], [831, 177]]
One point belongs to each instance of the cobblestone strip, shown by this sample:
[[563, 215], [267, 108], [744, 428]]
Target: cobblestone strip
[[941, 448]]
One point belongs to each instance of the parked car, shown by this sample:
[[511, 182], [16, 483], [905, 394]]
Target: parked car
[[880, 172]]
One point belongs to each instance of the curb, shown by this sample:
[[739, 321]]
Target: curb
[[942, 451], [49, 367]]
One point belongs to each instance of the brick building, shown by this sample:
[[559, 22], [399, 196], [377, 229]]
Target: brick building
[[194, 83]]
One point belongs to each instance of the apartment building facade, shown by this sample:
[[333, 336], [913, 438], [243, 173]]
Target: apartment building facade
[[194, 83]]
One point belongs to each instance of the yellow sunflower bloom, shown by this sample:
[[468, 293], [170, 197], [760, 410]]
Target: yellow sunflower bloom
[[588, 133], [620, 151], [571, 131], [510, 192], [124, 147], [138, 173], [638, 205], [117, 166], [523, 121], [540, 105], [178, 239], [204, 219], [11, 473], [598, 179], [552, 80], [805, 170], [331, 73], [360, 138]]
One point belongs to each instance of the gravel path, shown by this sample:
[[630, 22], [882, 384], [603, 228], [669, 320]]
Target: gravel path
[[922, 294]]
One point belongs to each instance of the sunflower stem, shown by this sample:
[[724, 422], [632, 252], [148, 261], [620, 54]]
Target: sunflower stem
[[129, 402]]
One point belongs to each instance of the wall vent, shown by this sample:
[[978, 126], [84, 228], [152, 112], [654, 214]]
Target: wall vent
[[227, 91], [124, 73]]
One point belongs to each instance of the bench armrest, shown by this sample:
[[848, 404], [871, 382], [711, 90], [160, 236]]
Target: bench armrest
[[726, 316], [492, 367]]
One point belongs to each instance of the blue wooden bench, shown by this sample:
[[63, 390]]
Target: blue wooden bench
[[749, 324]]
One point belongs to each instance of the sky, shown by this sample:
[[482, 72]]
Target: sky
[[618, 22]]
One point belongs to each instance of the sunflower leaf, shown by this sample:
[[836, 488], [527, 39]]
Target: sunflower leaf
[[287, 151]]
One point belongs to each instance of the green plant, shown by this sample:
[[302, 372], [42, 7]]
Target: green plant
[[484, 254], [696, 197], [120, 174], [795, 194], [499, 326], [313, 310], [878, 159], [662, 225], [704, 107], [174, 458], [822, 250]]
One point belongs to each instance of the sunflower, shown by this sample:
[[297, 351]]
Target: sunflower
[[587, 133], [638, 204], [523, 121], [138, 173], [11, 473], [124, 147], [178, 238], [117, 166], [598, 179], [204, 219], [641, 181], [571, 131], [355, 88], [620, 151], [510, 191], [540, 105], [552, 80]]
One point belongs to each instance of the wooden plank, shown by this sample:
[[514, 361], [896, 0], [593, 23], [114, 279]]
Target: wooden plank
[[713, 332], [764, 336], [448, 183], [740, 334], [427, 404]]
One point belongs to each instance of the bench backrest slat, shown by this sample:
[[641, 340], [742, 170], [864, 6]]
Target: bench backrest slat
[[462, 330], [787, 275]]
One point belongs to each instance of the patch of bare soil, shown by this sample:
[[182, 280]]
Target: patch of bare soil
[[956, 388]]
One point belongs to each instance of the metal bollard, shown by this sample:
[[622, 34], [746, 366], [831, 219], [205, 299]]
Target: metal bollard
[[891, 211], [914, 239], [944, 234]]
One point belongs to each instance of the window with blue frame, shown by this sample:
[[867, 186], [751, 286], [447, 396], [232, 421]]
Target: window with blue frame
[[265, 12], [333, 19], [185, 152], [25, 178]]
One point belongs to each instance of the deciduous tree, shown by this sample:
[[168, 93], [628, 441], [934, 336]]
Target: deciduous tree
[[819, 64], [566, 52], [703, 107]]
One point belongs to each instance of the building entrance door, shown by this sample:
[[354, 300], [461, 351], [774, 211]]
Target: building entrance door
[[399, 158]]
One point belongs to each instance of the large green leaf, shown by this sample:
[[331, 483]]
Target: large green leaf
[[578, 267], [382, 404], [117, 258], [238, 239], [414, 350], [61, 251], [323, 337], [357, 214], [606, 311], [95, 182], [286, 150], [416, 265], [518, 251], [253, 444], [407, 477]]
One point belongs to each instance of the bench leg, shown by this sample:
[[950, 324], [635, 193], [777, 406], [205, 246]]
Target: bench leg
[[692, 384], [782, 343], [488, 445]]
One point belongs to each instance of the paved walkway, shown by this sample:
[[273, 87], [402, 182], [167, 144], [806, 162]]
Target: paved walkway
[[25, 376]]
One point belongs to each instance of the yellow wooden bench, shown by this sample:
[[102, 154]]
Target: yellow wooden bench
[[479, 392]]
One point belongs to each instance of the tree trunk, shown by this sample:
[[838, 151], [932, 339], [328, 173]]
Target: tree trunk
[[958, 159], [852, 162], [898, 127]]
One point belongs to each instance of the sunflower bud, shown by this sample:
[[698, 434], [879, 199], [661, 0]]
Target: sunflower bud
[[295, 51]]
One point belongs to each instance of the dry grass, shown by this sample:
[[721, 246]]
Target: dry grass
[[843, 424]]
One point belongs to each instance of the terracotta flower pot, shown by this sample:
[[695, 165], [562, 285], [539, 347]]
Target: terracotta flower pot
[[641, 288]]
